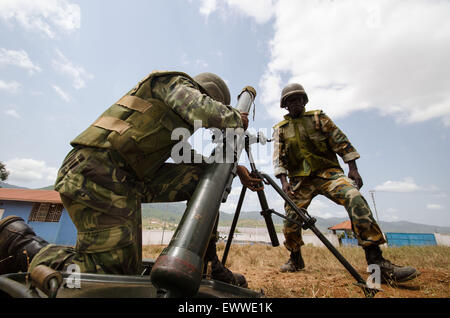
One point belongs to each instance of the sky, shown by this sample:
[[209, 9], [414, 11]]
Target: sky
[[379, 69]]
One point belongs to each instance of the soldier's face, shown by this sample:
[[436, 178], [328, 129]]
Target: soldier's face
[[295, 104]]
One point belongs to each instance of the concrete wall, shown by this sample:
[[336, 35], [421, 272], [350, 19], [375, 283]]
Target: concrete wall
[[260, 235], [156, 237], [442, 239]]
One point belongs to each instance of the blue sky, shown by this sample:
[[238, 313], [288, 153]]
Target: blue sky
[[380, 69]]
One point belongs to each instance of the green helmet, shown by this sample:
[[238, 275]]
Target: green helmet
[[292, 89], [214, 86]]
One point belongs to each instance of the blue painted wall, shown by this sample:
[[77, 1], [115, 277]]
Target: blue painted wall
[[405, 239], [349, 242], [21, 209], [62, 232], [67, 233]]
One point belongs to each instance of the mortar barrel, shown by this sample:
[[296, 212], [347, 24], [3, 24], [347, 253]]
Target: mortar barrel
[[179, 267]]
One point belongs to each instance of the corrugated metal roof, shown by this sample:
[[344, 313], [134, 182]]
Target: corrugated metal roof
[[49, 196], [346, 225]]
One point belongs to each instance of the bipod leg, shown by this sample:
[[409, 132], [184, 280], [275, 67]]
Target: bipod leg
[[308, 223], [266, 212], [233, 225]]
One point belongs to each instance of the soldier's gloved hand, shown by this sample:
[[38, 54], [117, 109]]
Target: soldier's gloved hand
[[254, 184], [244, 117], [354, 175]]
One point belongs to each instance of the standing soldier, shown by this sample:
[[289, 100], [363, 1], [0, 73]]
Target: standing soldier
[[118, 163], [306, 144]]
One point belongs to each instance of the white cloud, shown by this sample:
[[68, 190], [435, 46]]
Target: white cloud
[[390, 218], [317, 205], [235, 191], [11, 87], [30, 171], [198, 62], [407, 185], [77, 73], [18, 58], [261, 10], [433, 206], [12, 113], [45, 16], [207, 7], [322, 209], [61, 93], [201, 63], [352, 55]]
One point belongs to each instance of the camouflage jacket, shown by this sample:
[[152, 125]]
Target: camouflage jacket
[[308, 145], [139, 126]]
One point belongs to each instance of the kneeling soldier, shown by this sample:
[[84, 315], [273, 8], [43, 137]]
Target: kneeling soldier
[[118, 163]]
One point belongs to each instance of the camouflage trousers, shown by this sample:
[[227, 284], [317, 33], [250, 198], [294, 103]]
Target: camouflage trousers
[[339, 188], [103, 198]]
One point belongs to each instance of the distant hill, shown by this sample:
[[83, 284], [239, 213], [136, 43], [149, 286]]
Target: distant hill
[[12, 186], [50, 187], [172, 212], [7, 185]]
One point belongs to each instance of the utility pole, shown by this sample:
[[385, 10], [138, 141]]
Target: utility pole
[[164, 225], [164, 228], [374, 205]]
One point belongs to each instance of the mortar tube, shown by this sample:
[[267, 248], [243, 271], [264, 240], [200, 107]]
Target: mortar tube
[[179, 267]]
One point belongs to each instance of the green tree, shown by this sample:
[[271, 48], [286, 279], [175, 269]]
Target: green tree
[[3, 172]]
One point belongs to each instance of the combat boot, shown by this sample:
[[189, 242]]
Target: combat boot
[[223, 274], [294, 264], [220, 272], [390, 273], [18, 245]]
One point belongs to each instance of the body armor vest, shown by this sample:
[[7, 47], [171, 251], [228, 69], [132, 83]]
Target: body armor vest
[[305, 145], [138, 127]]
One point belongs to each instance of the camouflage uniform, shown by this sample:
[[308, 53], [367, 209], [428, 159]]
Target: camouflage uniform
[[305, 149], [119, 163]]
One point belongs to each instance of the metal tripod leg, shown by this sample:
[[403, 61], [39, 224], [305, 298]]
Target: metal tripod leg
[[266, 213], [233, 225]]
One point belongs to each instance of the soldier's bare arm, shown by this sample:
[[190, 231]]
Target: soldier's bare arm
[[254, 184], [354, 174]]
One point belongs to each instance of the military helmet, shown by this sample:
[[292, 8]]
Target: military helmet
[[291, 89], [214, 86]]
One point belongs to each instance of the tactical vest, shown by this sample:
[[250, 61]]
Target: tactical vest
[[305, 145], [138, 127]]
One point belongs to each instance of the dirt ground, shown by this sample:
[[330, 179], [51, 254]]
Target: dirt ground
[[324, 276]]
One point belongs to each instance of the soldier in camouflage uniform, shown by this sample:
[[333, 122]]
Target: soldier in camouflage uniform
[[118, 163], [306, 144]]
